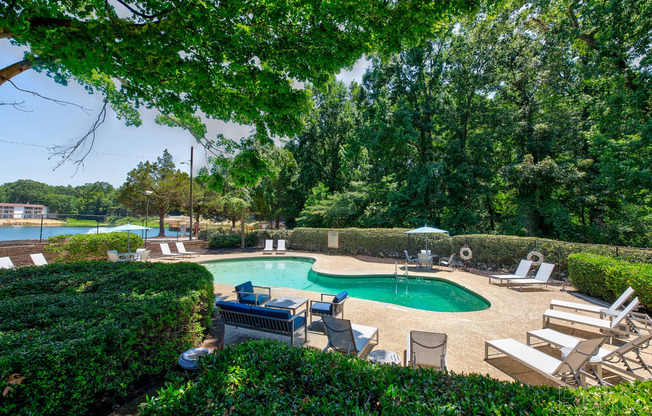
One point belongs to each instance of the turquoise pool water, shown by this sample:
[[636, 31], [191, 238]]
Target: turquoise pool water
[[431, 295]]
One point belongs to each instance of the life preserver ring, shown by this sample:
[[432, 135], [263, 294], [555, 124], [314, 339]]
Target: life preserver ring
[[466, 253], [537, 255]]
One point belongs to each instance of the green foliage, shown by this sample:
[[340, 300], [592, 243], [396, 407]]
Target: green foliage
[[77, 334], [269, 377], [232, 240], [606, 277], [79, 247]]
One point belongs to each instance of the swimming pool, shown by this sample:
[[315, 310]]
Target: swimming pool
[[296, 273]]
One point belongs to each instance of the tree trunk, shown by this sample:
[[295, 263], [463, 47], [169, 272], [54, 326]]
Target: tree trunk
[[242, 229], [14, 69], [161, 224]]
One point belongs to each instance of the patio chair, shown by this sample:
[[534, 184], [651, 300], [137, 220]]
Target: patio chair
[[612, 311], [347, 338], [521, 272], [6, 263], [426, 349], [424, 259], [165, 251], [145, 255], [412, 259], [449, 261], [280, 246], [38, 259], [139, 253], [541, 278], [610, 326], [332, 308], [253, 295], [113, 256], [182, 250], [566, 372], [269, 246], [605, 357]]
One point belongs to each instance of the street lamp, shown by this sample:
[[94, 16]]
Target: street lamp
[[185, 163], [147, 194]]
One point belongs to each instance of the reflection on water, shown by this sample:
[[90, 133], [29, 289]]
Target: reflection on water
[[27, 232]]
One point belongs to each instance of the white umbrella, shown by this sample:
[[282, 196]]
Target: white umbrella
[[128, 227], [426, 230]]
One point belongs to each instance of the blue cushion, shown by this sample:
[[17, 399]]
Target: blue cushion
[[270, 312], [340, 296], [251, 299], [247, 287], [321, 308], [299, 322], [233, 307]]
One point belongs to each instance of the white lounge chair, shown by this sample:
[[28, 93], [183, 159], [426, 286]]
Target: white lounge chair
[[139, 253], [6, 263], [559, 371], [541, 278], [611, 326], [521, 272], [145, 255], [269, 246], [38, 259], [182, 250], [280, 246], [612, 311], [451, 261], [426, 349], [348, 338], [604, 356], [165, 250]]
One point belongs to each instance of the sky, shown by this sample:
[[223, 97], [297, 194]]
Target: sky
[[28, 134]]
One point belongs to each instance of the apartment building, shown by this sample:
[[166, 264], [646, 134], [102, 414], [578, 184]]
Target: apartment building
[[22, 210]]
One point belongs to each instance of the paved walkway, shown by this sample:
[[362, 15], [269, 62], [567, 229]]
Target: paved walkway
[[511, 315]]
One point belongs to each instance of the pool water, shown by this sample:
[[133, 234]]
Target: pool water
[[428, 294]]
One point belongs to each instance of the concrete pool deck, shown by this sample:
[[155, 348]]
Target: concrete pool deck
[[511, 315]]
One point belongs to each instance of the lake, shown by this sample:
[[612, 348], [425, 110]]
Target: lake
[[27, 232]]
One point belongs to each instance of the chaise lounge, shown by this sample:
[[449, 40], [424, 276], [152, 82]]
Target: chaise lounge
[[521, 272], [348, 338], [612, 311]]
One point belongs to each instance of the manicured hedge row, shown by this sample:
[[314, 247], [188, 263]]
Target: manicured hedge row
[[268, 377], [80, 247], [489, 251], [606, 278], [75, 334], [233, 240]]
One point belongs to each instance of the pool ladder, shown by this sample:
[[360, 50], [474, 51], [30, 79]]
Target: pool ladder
[[404, 275]]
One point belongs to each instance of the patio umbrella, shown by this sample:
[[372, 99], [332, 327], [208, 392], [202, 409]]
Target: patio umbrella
[[128, 227], [426, 230]]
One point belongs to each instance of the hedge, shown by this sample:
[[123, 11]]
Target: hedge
[[490, 252], [606, 278], [76, 335], [233, 240], [271, 377], [79, 247]]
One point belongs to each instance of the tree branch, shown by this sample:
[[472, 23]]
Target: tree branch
[[12, 70], [54, 100], [18, 106], [144, 16]]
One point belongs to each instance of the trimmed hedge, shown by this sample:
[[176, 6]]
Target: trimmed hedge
[[270, 377], [80, 247], [606, 278], [73, 335], [233, 240]]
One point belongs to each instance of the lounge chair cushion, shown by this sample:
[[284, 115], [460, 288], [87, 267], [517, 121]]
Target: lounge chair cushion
[[255, 299], [340, 296], [321, 308], [246, 287], [270, 312], [233, 307]]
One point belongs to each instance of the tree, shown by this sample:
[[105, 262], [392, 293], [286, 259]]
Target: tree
[[231, 61], [170, 187], [97, 198]]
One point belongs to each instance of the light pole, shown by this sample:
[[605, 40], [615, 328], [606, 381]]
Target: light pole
[[183, 163], [147, 194]]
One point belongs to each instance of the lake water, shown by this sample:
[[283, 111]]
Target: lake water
[[26, 232]]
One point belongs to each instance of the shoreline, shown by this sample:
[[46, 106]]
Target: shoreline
[[31, 222]]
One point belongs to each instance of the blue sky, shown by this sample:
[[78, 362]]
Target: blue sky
[[26, 136]]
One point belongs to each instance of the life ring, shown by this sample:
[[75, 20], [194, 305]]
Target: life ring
[[466, 253], [537, 255]]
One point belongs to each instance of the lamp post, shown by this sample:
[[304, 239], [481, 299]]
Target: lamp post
[[147, 194], [183, 163]]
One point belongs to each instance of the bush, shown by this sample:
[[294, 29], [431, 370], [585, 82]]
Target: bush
[[606, 278], [91, 246], [268, 377], [77, 334], [233, 240]]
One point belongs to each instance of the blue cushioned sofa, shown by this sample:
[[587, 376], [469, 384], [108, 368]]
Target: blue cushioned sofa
[[260, 318]]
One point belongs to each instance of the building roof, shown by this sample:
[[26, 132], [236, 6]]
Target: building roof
[[22, 205]]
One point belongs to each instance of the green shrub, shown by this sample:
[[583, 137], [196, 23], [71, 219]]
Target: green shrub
[[75, 334], [205, 234], [79, 247], [267, 377], [606, 278], [233, 240]]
